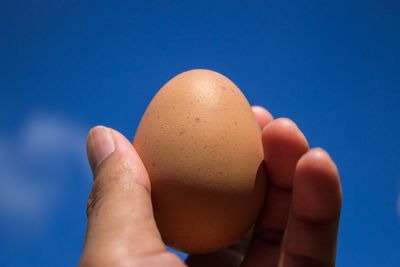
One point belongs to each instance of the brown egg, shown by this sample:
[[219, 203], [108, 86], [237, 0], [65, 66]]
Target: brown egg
[[201, 145]]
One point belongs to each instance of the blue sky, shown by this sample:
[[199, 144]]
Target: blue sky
[[65, 66]]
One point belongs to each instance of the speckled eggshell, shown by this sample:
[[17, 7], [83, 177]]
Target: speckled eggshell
[[202, 148]]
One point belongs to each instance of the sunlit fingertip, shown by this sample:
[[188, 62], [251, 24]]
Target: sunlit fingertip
[[317, 160], [262, 115]]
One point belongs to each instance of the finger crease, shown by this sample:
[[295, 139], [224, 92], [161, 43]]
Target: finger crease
[[270, 236], [314, 220], [305, 260], [280, 188]]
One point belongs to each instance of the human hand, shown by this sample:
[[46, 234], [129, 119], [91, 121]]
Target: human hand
[[297, 226]]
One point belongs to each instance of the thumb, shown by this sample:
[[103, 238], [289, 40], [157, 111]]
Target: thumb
[[121, 226]]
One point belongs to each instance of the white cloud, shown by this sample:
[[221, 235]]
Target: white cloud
[[35, 167]]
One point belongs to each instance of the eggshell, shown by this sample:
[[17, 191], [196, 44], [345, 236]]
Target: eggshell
[[202, 148]]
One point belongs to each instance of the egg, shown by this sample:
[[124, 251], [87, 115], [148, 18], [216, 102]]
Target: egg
[[201, 146]]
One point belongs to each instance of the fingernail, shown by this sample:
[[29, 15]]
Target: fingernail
[[100, 145]]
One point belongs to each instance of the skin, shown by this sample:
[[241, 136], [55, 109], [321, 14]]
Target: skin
[[298, 225]]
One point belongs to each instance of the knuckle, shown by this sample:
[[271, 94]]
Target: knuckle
[[96, 196], [117, 175]]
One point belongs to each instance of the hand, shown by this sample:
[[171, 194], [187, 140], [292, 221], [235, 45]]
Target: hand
[[297, 227]]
